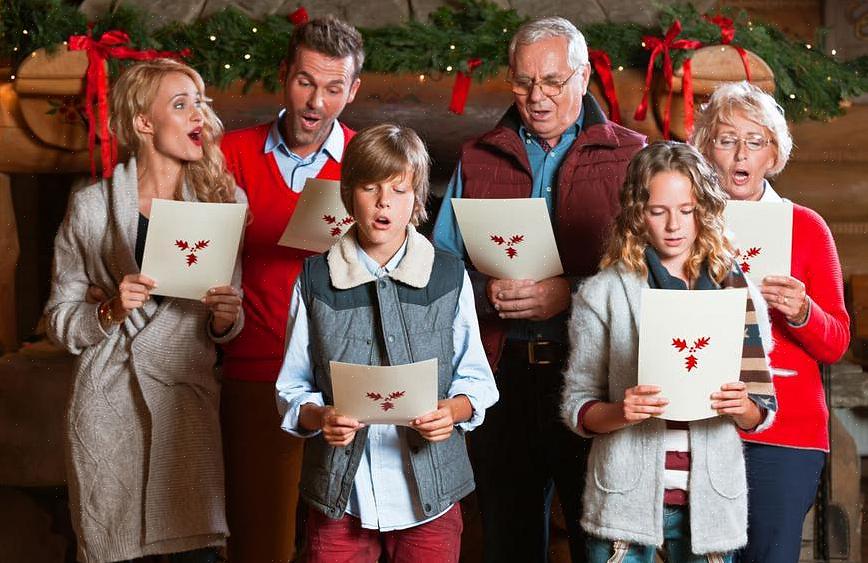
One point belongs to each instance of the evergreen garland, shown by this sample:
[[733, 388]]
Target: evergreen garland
[[230, 46]]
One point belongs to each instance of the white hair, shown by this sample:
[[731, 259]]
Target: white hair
[[757, 106], [546, 28]]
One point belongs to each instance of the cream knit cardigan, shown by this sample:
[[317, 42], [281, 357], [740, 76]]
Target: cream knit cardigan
[[143, 456]]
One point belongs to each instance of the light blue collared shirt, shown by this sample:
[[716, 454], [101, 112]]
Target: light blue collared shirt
[[544, 167], [384, 494], [296, 169]]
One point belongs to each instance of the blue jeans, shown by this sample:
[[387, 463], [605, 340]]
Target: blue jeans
[[676, 544], [781, 487]]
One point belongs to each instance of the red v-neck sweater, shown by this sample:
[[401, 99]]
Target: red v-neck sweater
[[269, 270], [802, 419]]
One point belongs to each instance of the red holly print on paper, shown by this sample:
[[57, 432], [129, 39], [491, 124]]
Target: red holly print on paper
[[745, 257], [388, 402], [191, 250], [510, 243], [336, 228], [691, 361]]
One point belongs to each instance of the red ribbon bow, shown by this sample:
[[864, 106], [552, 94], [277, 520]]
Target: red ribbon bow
[[299, 16], [727, 33], [461, 88], [603, 67], [657, 46], [112, 44]]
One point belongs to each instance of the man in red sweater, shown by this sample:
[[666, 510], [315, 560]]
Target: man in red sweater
[[272, 162]]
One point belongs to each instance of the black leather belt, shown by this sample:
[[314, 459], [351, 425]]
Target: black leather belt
[[536, 352]]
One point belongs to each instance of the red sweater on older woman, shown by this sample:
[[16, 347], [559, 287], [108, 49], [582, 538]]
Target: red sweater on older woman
[[802, 418]]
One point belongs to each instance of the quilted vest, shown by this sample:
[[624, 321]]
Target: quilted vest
[[383, 322]]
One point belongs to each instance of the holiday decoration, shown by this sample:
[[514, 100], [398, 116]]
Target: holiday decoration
[[664, 46], [469, 39], [336, 227], [462, 87], [745, 257], [511, 244], [388, 402], [112, 44], [691, 361], [191, 250]]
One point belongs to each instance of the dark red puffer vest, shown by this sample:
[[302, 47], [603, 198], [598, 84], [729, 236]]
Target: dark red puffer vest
[[495, 165]]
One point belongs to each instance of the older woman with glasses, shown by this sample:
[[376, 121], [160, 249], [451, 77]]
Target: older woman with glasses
[[742, 131]]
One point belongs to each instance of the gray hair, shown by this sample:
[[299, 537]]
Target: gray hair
[[732, 97], [546, 28]]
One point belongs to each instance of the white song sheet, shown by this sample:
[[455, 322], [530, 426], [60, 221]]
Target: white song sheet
[[763, 232], [385, 394], [192, 246], [690, 343], [509, 238], [319, 218]]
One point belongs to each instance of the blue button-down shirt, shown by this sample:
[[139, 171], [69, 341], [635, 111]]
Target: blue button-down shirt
[[384, 494], [544, 167], [296, 169]]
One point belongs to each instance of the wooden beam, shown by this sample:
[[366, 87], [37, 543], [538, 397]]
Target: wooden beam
[[9, 250]]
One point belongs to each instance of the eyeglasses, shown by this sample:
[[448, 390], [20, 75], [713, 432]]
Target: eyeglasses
[[548, 86], [730, 142]]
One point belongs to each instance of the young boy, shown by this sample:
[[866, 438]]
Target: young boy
[[383, 296]]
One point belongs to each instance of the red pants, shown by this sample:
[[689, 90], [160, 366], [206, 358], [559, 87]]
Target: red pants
[[345, 541]]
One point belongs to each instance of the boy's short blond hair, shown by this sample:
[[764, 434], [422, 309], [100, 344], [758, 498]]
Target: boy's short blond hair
[[383, 152]]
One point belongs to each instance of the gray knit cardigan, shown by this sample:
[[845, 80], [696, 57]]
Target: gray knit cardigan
[[623, 497], [143, 452]]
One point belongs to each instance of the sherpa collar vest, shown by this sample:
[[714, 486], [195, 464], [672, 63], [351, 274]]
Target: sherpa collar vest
[[403, 317]]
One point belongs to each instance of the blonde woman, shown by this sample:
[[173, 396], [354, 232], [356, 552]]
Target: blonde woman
[[743, 133], [651, 483], [144, 462]]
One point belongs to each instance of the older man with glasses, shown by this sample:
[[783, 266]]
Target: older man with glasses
[[554, 143]]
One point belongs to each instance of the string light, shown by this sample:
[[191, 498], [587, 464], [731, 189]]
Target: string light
[[254, 30], [12, 77], [452, 47], [807, 45], [14, 48], [449, 68], [213, 38], [792, 96], [643, 44], [834, 52], [620, 68], [504, 30], [829, 78], [25, 32], [227, 66], [421, 78]]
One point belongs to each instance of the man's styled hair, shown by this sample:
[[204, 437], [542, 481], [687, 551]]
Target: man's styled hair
[[383, 152], [331, 37], [546, 28]]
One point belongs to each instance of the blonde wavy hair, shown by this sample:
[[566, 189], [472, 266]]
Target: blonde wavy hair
[[629, 237], [134, 93]]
